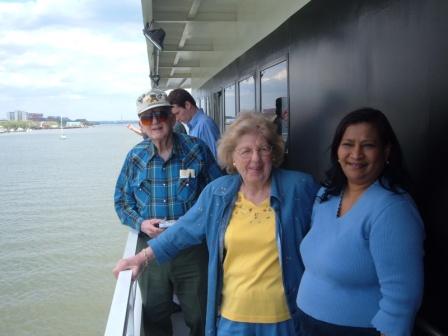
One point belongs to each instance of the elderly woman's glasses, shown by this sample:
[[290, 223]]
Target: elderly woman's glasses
[[148, 118], [246, 152]]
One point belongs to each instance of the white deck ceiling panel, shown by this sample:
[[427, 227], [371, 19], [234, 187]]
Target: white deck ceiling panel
[[204, 36]]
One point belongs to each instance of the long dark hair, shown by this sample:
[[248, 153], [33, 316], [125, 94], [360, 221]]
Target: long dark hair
[[394, 176]]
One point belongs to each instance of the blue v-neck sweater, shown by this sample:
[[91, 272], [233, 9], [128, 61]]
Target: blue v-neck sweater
[[365, 268]]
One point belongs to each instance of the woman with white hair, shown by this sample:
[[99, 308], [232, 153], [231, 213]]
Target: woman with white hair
[[253, 221]]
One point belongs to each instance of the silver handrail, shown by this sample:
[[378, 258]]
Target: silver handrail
[[126, 308]]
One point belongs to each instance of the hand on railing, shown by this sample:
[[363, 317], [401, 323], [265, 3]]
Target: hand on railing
[[135, 263]]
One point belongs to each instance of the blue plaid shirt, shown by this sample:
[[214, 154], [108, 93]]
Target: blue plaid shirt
[[149, 187]]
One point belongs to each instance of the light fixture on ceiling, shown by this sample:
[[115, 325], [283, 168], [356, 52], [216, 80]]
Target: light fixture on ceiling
[[154, 75], [155, 36]]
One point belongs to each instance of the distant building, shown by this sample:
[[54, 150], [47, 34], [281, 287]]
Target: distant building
[[74, 124], [17, 115], [35, 116]]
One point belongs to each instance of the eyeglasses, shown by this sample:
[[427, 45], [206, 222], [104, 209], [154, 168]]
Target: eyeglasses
[[148, 118], [246, 153]]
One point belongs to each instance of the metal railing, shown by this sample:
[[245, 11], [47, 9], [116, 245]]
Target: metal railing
[[126, 308]]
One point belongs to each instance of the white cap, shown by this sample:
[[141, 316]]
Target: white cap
[[151, 99]]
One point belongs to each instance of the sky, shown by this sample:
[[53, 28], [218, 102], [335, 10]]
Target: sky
[[75, 58]]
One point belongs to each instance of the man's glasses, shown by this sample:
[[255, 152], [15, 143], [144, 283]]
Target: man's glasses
[[147, 118], [246, 153]]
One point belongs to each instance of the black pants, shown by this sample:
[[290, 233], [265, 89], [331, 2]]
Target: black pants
[[185, 275], [309, 326]]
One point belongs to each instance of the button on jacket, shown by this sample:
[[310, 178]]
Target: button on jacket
[[292, 196]]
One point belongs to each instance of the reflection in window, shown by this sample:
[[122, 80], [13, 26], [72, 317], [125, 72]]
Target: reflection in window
[[247, 94], [202, 104], [229, 104], [274, 97]]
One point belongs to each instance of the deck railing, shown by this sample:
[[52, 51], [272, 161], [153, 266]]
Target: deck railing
[[126, 308]]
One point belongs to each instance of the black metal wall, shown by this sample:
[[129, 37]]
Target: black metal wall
[[391, 55]]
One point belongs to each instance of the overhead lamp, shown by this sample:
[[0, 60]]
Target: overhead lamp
[[155, 80], [155, 36]]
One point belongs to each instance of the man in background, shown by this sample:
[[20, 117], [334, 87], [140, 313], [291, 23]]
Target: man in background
[[199, 124]]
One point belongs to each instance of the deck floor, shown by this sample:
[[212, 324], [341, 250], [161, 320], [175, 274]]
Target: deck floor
[[179, 326]]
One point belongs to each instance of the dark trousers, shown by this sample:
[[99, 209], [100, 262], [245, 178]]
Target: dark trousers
[[185, 275], [309, 326]]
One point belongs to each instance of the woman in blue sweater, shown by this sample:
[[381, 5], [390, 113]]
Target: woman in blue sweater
[[364, 253]]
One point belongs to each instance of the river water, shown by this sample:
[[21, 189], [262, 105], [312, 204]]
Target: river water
[[59, 235]]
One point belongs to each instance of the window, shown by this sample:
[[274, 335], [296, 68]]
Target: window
[[206, 106], [229, 104], [247, 94], [202, 104], [274, 97]]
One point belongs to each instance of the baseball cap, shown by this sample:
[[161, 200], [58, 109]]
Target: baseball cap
[[151, 99]]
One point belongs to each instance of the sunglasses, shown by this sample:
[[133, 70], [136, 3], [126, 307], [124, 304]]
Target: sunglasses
[[162, 116]]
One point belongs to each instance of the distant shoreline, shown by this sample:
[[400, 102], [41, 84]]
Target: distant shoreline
[[28, 130], [91, 124]]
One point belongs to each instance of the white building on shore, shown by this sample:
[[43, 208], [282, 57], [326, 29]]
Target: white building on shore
[[17, 115]]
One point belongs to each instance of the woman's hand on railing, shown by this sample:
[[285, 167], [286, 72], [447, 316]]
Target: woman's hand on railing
[[125, 264], [135, 263]]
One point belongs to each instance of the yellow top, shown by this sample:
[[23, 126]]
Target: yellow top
[[253, 288]]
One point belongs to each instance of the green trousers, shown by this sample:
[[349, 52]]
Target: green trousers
[[185, 275]]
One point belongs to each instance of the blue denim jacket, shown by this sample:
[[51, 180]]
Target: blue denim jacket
[[292, 196]]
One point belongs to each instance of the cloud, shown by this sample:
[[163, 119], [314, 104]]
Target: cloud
[[55, 53], [32, 14]]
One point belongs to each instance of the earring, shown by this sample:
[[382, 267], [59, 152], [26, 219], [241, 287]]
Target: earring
[[234, 163]]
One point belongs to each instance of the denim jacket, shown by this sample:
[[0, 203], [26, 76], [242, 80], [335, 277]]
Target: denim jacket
[[292, 196]]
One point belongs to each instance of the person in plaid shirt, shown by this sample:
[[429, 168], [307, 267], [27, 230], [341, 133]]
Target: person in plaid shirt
[[161, 179]]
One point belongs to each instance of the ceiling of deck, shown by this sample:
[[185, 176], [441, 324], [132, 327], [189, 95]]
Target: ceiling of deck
[[204, 36]]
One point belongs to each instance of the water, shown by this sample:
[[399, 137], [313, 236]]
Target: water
[[59, 235]]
